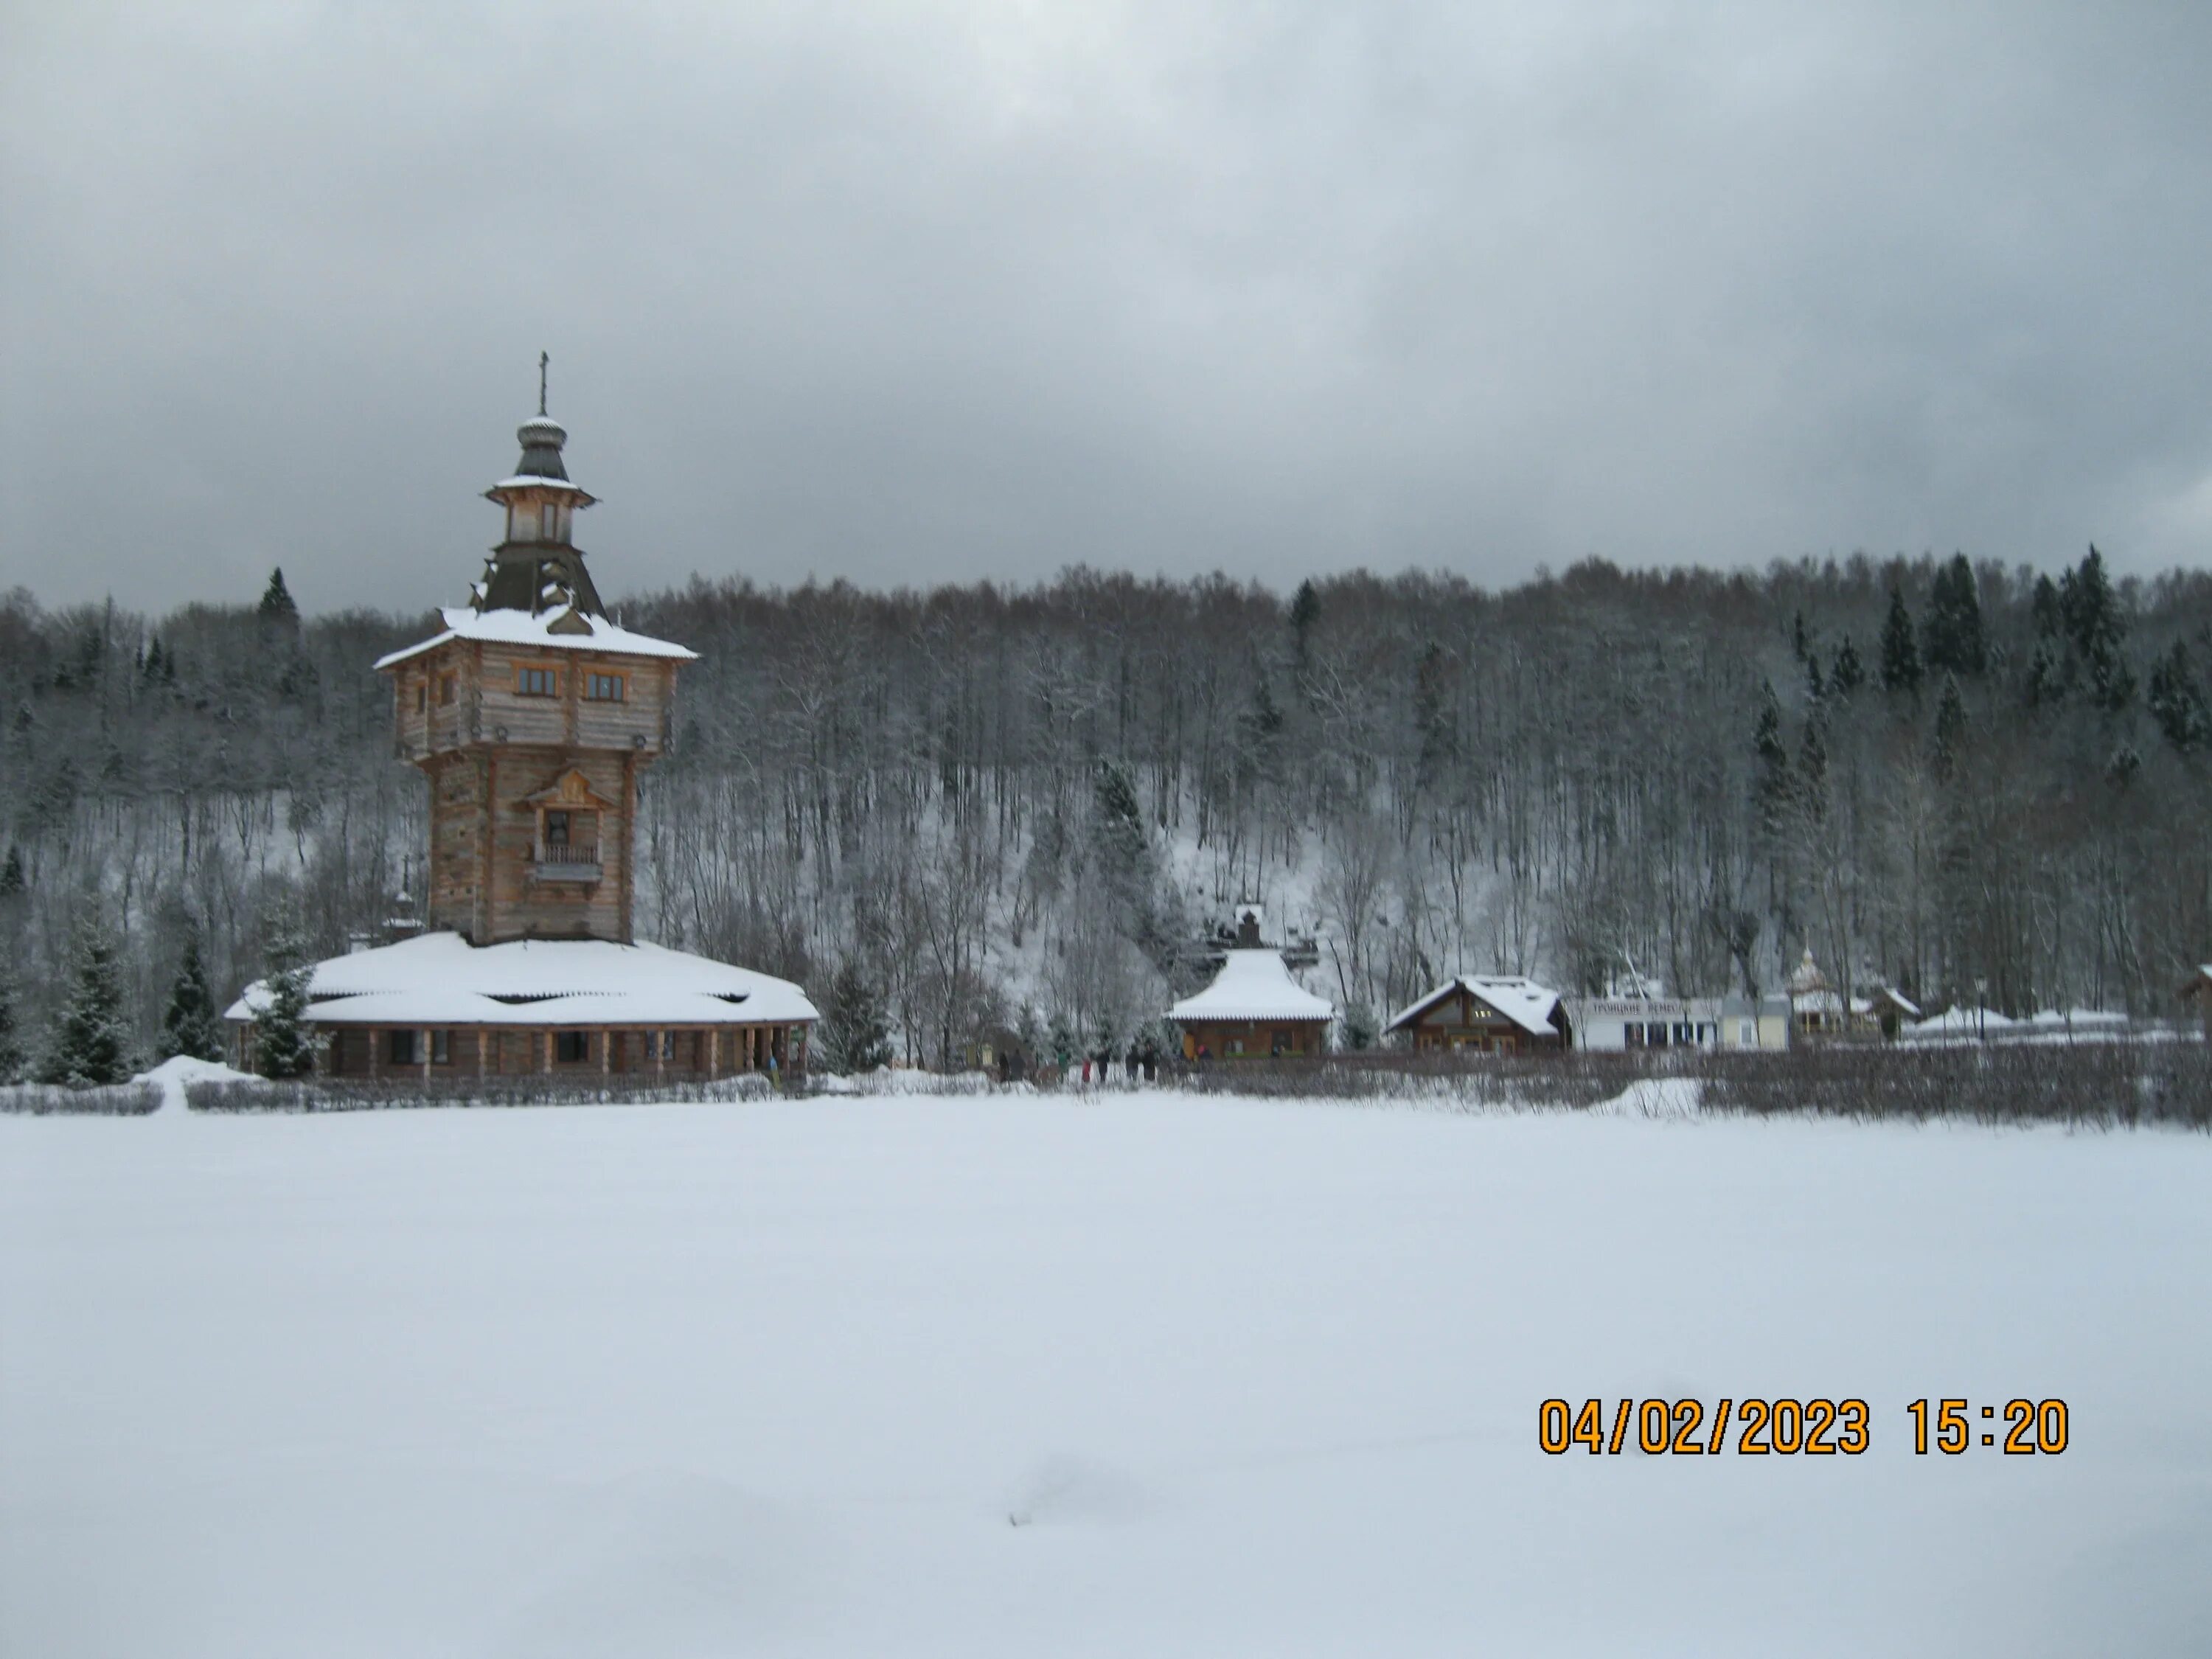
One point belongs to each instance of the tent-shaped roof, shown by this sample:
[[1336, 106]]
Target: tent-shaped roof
[[1527, 1004], [441, 979], [513, 627], [1253, 985]]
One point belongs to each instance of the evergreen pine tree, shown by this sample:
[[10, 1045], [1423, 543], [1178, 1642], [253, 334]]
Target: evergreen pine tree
[[1813, 768], [2178, 702], [1773, 787], [1305, 611], [2046, 679], [1950, 738], [1430, 724], [90, 1043], [2096, 628], [189, 1025], [277, 599], [1799, 643], [1261, 727], [1848, 673], [2044, 606], [12, 881], [853, 1034], [1360, 1029], [283, 1046], [1953, 638], [1816, 687], [1900, 653], [12, 1057], [1028, 1033]]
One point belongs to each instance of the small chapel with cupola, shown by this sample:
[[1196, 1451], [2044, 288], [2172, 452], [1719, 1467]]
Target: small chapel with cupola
[[532, 715]]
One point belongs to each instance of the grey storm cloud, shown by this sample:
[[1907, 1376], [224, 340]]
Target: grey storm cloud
[[905, 293]]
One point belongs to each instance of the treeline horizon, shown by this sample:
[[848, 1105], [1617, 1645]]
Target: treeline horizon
[[996, 804]]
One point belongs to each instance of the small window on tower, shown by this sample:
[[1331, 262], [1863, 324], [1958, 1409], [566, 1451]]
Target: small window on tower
[[549, 522], [421, 698], [448, 689]]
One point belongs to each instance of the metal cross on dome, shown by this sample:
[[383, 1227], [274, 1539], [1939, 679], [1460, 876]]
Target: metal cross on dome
[[544, 358]]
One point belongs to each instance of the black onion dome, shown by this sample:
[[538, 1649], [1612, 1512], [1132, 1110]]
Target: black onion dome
[[542, 438]]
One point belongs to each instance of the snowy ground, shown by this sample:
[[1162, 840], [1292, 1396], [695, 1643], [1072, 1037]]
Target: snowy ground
[[1044, 1377]]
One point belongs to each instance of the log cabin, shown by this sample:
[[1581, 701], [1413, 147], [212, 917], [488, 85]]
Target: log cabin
[[1487, 1014]]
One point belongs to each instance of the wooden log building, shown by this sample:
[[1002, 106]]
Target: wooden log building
[[1488, 1014], [531, 714]]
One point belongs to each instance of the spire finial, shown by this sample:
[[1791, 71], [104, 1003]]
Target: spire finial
[[544, 358]]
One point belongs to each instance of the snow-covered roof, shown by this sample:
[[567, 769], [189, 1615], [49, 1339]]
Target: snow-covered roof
[[510, 627], [1527, 1004], [1253, 985], [1958, 1020], [1808, 977], [524, 480], [441, 979]]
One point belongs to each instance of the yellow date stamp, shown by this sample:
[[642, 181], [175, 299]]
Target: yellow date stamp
[[1758, 1427]]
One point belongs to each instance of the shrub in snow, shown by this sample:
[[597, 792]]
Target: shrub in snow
[[90, 1044], [362, 1095], [116, 1100]]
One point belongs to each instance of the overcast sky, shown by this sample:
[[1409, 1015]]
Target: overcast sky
[[914, 292]]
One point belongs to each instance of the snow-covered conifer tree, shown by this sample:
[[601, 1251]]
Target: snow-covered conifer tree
[[1955, 640], [1360, 1030], [284, 1046], [277, 599], [1950, 735], [12, 1057], [190, 1025], [853, 1034], [2093, 618], [1848, 673], [90, 1043], [2177, 701], [1900, 651]]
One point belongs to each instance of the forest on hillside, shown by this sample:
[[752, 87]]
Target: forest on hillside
[[1024, 806]]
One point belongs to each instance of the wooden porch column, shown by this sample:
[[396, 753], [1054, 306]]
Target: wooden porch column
[[607, 1052], [713, 1051], [423, 1037], [375, 1054], [660, 1042], [480, 1047], [544, 1040]]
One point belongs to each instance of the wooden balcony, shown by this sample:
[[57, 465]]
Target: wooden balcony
[[567, 861]]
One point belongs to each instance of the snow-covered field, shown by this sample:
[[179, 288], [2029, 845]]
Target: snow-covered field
[[1144, 1375]]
